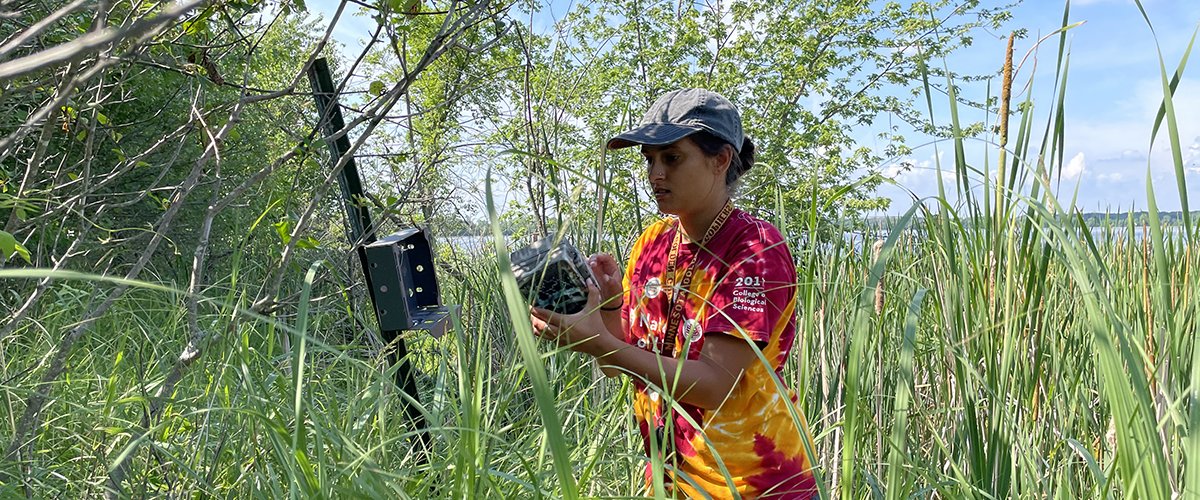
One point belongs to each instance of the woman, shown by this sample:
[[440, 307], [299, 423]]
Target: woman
[[705, 292]]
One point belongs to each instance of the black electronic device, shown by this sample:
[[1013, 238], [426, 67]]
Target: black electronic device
[[405, 292], [552, 275]]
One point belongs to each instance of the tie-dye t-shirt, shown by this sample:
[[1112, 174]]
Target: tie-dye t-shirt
[[744, 285]]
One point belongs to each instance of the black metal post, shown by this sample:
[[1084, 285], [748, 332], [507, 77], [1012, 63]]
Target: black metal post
[[361, 232], [324, 92]]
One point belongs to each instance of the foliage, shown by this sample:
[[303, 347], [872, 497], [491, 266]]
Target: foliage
[[805, 75], [168, 141]]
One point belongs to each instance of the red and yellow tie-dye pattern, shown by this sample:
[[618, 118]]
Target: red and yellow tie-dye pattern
[[744, 285]]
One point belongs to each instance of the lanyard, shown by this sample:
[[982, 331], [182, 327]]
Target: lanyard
[[676, 304]]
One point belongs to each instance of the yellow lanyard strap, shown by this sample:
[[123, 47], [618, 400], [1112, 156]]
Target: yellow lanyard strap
[[676, 304]]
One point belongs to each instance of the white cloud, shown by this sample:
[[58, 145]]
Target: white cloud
[[1122, 135], [918, 174], [896, 169], [1075, 167], [1127, 155], [1193, 152]]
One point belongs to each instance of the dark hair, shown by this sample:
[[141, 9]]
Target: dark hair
[[739, 164]]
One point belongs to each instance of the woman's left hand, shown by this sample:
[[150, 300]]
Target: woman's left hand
[[606, 270], [583, 331]]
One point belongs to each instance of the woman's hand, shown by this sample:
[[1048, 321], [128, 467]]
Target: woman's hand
[[609, 277], [583, 331]]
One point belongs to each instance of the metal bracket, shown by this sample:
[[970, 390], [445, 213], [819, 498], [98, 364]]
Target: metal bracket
[[405, 292]]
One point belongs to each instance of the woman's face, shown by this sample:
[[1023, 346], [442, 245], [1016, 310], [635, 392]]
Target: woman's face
[[684, 180]]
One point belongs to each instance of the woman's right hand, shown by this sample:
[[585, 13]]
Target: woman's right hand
[[608, 274]]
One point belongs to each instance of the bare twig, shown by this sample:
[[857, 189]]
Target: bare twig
[[93, 42]]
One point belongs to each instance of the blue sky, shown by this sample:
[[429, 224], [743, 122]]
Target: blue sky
[[1113, 92], [1114, 89]]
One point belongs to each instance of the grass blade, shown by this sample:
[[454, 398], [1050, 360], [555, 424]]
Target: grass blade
[[527, 345]]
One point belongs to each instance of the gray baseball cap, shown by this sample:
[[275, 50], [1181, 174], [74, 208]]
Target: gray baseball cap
[[680, 113]]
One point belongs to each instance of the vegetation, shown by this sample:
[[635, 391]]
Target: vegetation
[[1140, 218], [184, 318]]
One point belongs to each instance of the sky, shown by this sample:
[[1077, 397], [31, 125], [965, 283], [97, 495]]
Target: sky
[[1114, 89]]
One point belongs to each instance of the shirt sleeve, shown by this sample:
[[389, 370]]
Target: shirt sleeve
[[752, 297]]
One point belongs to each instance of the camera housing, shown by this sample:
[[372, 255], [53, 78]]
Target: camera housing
[[552, 275]]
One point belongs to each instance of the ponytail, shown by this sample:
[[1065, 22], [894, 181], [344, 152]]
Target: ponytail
[[745, 162]]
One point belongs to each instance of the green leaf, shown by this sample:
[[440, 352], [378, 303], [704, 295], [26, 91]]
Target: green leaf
[[162, 201], [9, 245], [283, 229], [377, 87], [308, 242], [195, 26]]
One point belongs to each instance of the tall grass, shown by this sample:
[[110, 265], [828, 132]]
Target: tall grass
[[1018, 353]]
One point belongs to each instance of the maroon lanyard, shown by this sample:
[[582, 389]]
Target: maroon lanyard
[[676, 304]]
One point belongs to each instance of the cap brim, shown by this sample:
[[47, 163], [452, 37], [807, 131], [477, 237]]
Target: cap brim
[[652, 134]]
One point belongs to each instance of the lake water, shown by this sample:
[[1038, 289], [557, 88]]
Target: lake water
[[482, 245]]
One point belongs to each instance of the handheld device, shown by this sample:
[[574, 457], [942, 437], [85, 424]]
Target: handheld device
[[552, 275]]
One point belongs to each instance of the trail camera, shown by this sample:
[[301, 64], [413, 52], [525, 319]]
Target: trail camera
[[552, 275], [405, 286]]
